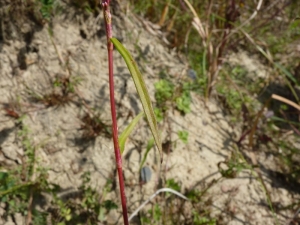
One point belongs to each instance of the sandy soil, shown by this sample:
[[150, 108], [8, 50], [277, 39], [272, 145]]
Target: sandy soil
[[28, 68]]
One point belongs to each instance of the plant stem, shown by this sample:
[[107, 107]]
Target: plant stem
[[108, 26]]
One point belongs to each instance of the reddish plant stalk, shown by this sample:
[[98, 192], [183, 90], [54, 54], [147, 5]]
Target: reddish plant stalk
[[108, 26]]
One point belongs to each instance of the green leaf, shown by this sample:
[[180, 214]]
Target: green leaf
[[157, 213], [291, 77], [158, 114], [183, 103], [149, 146], [142, 91], [68, 217], [275, 118], [183, 136], [101, 214], [171, 183], [163, 91], [3, 176], [286, 72], [109, 205], [123, 137]]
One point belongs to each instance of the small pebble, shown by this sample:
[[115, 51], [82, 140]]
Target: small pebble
[[192, 74], [146, 174]]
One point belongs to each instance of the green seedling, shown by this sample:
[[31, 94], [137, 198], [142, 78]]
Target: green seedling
[[150, 145], [158, 114], [164, 90], [157, 213], [167, 96], [46, 8], [201, 220], [142, 92], [171, 183], [64, 211], [183, 102], [194, 195], [91, 198], [18, 187], [123, 137], [183, 136], [84, 206], [232, 170]]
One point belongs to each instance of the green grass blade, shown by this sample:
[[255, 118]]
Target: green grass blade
[[142, 91], [125, 134], [289, 75], [149, 146], [275, 118], [286, 72]]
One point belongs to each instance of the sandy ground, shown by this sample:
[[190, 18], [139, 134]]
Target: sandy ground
[[240, 200]]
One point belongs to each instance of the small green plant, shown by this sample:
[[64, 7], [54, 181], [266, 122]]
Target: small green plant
[[159, 114], [201, 220], [157, 214], [168, 96], [171, 183], [90, 209], [18, 186], [183, 136], [65, 213], [194, 195], [164, 91], [153, 216], [87, 6], [289, 161], [233, 166], [183, 102], [150, 145], [46, 8], [13, 192], [90, 201]]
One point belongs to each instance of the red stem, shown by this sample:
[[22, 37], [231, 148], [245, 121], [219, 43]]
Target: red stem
[[107, 19]]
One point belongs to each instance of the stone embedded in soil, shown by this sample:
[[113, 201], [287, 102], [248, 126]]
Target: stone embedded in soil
[[146, 174]]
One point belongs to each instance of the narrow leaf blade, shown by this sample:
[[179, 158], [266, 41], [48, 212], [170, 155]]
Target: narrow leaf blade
[[125, 134], [142, 92], [149, 146], [286, 72]]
